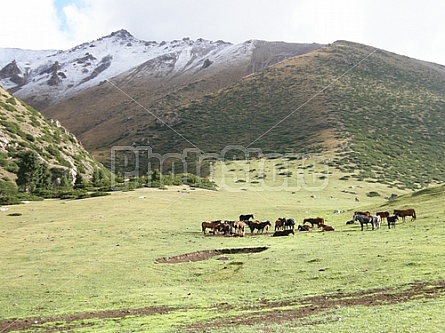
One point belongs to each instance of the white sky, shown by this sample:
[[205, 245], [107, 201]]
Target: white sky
[[411, 27]]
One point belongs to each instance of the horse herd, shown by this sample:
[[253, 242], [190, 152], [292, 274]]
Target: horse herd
[[375, 220], [283, 226], [286, 226]]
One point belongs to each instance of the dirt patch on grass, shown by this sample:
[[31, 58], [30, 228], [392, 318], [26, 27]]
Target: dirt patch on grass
[[9, 325], [207, 254], [270, 312], [274, 312]]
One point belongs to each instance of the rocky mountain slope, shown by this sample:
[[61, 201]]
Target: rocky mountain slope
[[43, 78]]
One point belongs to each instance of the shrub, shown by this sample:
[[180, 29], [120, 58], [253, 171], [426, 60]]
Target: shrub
[[46, 194], [9, 200], [24, 196], [8, 188], [11, 101], [73, 194], [99, 194]]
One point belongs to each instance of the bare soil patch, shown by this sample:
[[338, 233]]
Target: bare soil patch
[[20, 324], [207, 254], [320, 304]]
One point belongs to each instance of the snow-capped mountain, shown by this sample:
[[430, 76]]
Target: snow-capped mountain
[[47, 77], [119, 90], [63, 73]]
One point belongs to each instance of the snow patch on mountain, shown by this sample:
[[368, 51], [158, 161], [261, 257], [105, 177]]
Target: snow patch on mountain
[[47, 77], [61, 74]]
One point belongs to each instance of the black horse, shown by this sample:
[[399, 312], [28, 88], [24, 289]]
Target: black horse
[[364, 220], [303, 227], [289, 224], [246, 217], [260, 226], [279, 233], [392, 220]]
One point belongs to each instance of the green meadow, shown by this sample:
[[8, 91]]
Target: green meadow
[[90, 265]]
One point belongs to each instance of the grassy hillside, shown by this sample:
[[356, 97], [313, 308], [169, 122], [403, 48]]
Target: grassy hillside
[[123, 110], [24, 131], [378, 112], [392, 108], [95, 269]]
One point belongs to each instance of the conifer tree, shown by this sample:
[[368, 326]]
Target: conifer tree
[[29, 172]]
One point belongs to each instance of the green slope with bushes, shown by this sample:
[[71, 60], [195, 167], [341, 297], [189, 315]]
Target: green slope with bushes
[[378, 112], [40, 158]]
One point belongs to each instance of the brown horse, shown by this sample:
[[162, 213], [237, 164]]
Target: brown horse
[[404, 213], [326, 227], [214, 225], [239, 227], [314, 220], [383, 215], [280, 223]]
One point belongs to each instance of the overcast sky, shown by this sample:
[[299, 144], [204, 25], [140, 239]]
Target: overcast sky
[[411, 27]]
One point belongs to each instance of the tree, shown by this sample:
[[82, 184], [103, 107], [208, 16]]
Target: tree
[[44, 181], [61, 178], [78, 183], [65, 183], [29, 171], [99, 179]]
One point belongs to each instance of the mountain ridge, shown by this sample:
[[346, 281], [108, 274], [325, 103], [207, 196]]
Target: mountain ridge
[[48, 77], [375, 112]]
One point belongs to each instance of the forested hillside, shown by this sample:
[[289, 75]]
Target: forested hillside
[[39, 157]]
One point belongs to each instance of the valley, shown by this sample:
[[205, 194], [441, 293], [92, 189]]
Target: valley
[[91, 264], [104, 192]]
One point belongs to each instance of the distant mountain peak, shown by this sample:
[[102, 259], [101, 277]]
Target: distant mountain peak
[[122, 33]]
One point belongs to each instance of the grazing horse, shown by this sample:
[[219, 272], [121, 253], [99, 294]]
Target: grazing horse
[[405, 212], [245, 217], [364, 220], [314, 220], [280, 223], [226, 227], [283, 233], [383, 215], [392, 220], [214, 225], [239, 228]]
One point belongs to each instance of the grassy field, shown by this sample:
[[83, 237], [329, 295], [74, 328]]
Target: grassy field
[[90, 265]]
